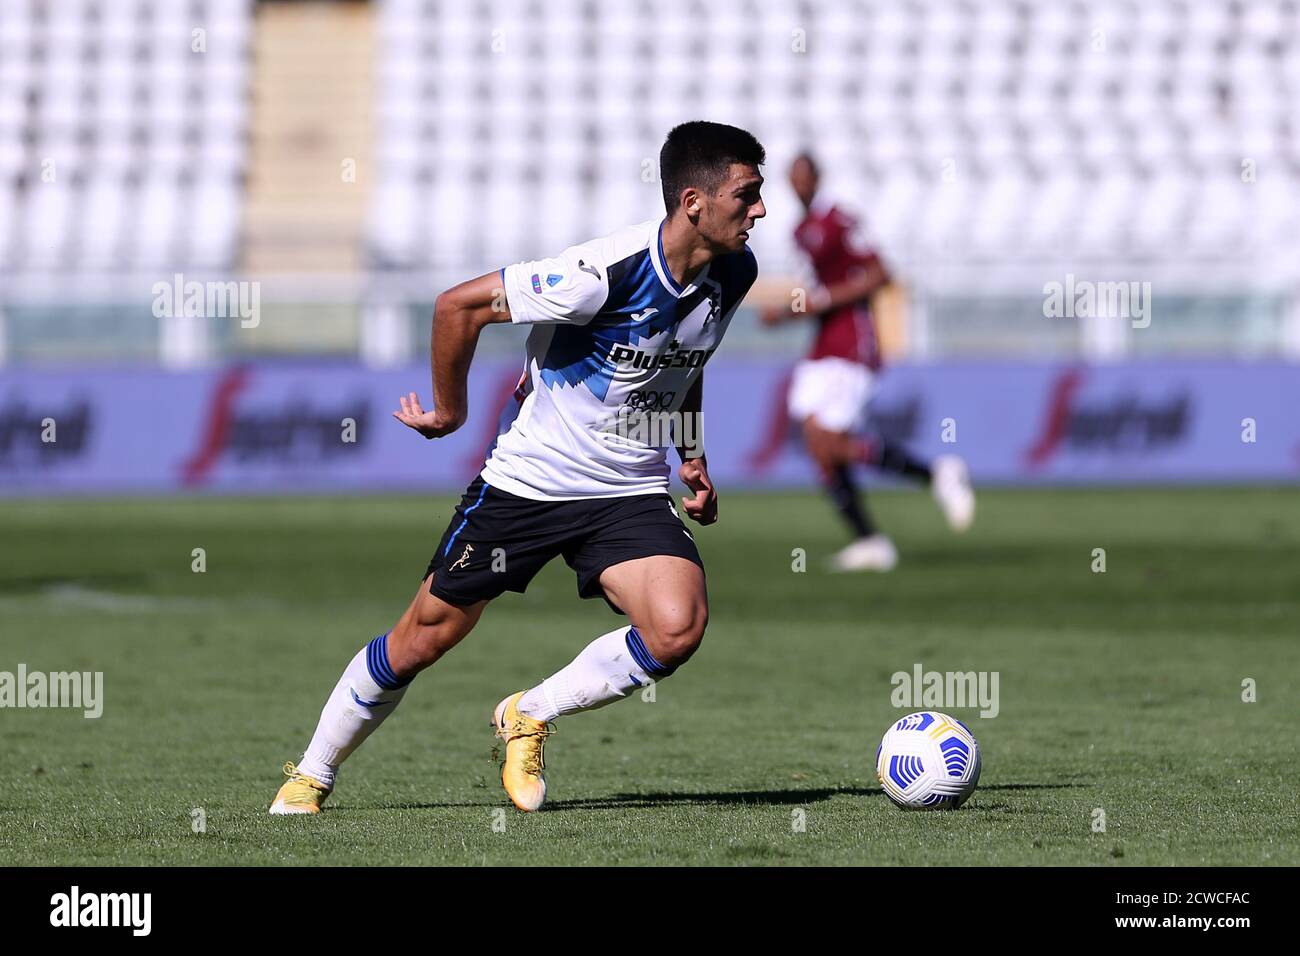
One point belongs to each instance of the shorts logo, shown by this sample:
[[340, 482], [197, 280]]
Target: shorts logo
[[463, 560]]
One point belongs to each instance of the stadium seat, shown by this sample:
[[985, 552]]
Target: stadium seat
[[1055, 115], [117, 97], [1059, 116]]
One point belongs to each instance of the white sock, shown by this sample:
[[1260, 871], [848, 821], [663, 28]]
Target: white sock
[[608, 669], [365, 695]]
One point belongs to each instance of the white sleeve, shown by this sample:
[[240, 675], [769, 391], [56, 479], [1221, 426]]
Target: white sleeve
[[570, 287]]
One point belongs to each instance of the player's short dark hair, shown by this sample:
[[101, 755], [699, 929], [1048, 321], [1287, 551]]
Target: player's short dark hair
[[700, 154]]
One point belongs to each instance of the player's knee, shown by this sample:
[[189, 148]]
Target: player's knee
[[820, 446], [675, 632]]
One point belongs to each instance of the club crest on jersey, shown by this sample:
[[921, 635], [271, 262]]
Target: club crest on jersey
[[715, 304], [463, 560]]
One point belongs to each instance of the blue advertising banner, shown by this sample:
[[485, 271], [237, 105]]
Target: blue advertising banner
[[268, 428]]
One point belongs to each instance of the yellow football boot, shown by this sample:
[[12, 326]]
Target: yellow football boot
[[525, 738], [299, 794]]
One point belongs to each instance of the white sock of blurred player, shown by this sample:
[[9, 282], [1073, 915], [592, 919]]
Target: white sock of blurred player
[[952, 489]]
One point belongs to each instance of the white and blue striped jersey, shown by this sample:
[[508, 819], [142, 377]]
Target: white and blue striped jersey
[[612, 331]]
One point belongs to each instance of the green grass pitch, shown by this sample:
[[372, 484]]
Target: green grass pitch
[[1119, 691]]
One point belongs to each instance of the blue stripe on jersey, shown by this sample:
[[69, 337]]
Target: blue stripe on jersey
[[668, 273], [580, 353]]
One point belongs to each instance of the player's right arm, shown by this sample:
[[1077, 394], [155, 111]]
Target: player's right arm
[[570, 288], [459, 315]]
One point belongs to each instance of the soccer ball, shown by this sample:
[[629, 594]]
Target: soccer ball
[[928, 761]]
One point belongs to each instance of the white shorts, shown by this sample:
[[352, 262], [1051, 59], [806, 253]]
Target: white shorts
[[835, 391]]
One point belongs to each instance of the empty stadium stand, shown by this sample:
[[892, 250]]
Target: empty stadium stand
[[122, 133]]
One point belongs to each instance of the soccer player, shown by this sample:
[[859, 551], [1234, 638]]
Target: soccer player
[[621, 324], [831, 388]]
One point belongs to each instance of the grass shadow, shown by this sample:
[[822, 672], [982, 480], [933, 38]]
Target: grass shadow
[[773, 798]]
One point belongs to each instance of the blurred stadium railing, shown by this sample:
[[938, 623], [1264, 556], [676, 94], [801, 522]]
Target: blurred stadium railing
[[355, 158]]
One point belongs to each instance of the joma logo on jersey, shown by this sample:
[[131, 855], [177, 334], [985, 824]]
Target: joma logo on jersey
[[680, 358]]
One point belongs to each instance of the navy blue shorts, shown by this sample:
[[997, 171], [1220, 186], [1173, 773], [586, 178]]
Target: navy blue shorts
[[497, 542]]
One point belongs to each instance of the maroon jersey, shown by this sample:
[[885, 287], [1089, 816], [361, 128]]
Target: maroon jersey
[[827, 235]]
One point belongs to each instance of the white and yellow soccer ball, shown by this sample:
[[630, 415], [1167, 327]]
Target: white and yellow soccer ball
[[928, 761]]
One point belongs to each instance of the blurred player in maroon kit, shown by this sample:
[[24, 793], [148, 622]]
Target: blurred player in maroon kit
[[831, 388]]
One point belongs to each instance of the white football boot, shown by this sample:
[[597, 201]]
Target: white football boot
[[951, 487], [874, 553]]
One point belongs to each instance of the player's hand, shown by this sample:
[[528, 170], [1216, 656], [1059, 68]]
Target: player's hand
[[432, 424], [703, 506]]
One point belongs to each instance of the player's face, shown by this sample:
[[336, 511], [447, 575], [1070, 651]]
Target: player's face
[[732, 211], [803, 179]]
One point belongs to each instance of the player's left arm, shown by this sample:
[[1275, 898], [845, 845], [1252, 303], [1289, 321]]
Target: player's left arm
[[865, 281], [861, 285], [827, 298], [702, 505]]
